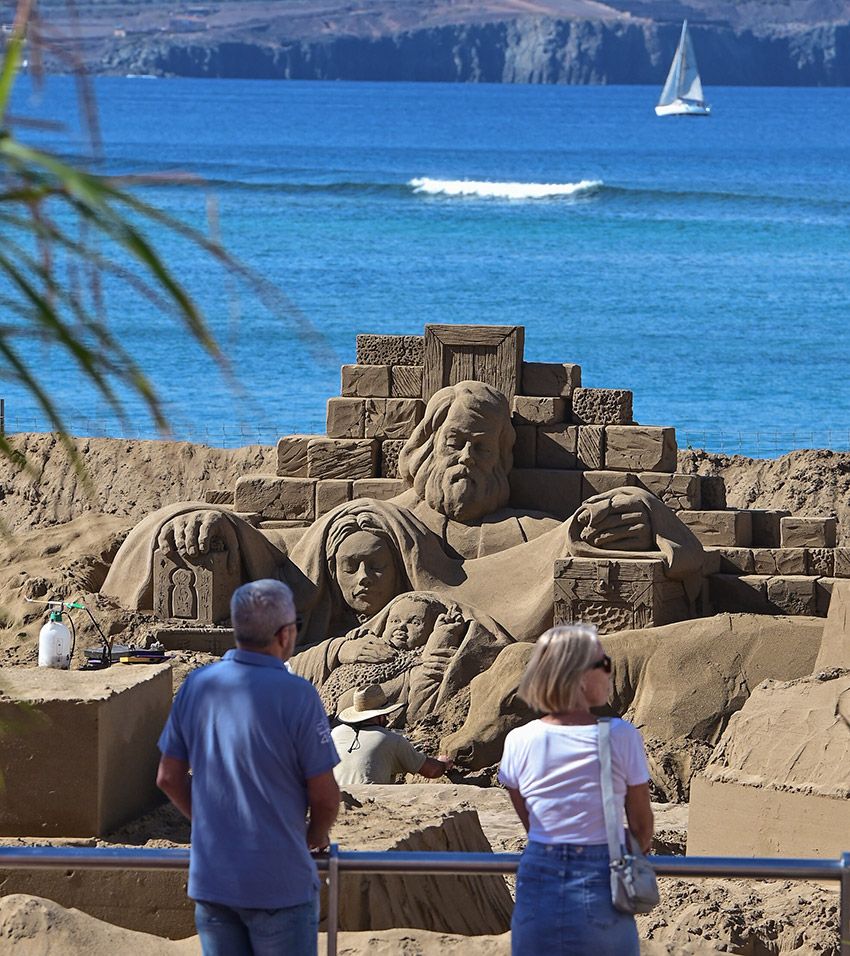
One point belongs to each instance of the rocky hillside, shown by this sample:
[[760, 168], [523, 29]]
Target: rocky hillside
[[790, 43]]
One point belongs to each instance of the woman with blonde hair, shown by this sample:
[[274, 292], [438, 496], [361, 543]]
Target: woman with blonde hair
[[551, 770]]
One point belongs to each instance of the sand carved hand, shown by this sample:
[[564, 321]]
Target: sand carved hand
[[365, 650], [618, 524], [199, 532], [449, 631]]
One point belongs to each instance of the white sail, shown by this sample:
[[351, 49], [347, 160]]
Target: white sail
[[683, 89]]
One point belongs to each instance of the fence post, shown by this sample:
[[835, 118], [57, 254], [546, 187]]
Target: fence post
[[844, 908], [333, 897]]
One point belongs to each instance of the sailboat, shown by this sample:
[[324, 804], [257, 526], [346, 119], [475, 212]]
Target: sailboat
[[682, 94]]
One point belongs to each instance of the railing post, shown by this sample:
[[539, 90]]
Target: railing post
[[333, 898], [844, 908]]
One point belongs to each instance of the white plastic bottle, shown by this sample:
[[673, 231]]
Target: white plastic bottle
[[54, 643]]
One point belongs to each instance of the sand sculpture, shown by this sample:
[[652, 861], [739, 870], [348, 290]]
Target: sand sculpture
[[452, 466]]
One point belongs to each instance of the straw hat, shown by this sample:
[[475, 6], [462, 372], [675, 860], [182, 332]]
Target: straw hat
[[369, 702]]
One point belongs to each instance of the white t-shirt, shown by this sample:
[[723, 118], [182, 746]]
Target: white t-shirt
[[556, 769], [373, 755]]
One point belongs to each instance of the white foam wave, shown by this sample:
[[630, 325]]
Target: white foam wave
[[487, 190]]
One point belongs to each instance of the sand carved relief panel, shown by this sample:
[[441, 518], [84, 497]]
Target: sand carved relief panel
[[194, 589]]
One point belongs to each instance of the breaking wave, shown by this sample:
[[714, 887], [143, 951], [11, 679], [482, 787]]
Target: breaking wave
[[487, 190]]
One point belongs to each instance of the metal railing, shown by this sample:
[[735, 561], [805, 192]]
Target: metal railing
[[337, 861]]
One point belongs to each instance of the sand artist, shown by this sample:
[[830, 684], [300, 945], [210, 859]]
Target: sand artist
[[451, 533]]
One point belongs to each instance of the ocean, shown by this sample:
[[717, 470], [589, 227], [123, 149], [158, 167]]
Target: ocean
[[702, 263]]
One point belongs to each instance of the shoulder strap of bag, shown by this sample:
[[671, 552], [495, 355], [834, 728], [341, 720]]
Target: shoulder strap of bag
[[613, 826]]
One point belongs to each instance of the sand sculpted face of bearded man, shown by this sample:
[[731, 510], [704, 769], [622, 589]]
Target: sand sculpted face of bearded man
[[459, 457]]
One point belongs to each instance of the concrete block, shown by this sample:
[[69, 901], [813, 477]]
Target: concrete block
[[525, 446], [79, 752], [745, 593], [538, 410], [390, 450], [275, 497], [820, 562], [712, 492], [556, 446], [292, 455], [550, 378], [390, 349], [365, 381], [720, 529], [342, 458], [379, 488], [808, 532], [792, 594], [542, 489], [218, 497], [599, 482], [393, 418], [766, 531], [842, 562], [640, 448], [346, 417], [330, 493], [735, 560], [677, 491], [602, 406], [406, 381], [484, 353], [590, 447], [779, 561]]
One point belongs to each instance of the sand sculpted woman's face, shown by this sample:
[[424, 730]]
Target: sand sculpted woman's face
[[366, 573]]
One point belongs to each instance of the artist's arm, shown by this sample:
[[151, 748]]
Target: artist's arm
[[518, 801], [436, 766], [639, 815], [323, 801], [173, 779]]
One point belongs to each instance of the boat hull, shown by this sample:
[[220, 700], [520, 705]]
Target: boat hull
[[683, 108]]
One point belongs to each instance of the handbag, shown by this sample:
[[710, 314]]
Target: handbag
[[634, 886]]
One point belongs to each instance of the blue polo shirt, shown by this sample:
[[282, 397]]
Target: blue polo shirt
[[253, 734]]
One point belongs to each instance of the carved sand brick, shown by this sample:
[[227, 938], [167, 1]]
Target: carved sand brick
[[276, 497], [823, 595], [406, 381], [365, 381], [713, 493], [556, 446], [389, 457], [640, 448], [550, 378], [842, 562], [393, 418], [342, 458], [292, 455], [346, 417], [538, 410], [218, 497], [736, 560], [599, 482], [677, 491], [746, 593], [793, 594], [380, 488], [390, 349], [766, 530], [820, 562], [543, 489], [731, 529], [525, 446], [779, 561], [602, 406], [484, 353], [590, 447], [331, 492], [808, 532]]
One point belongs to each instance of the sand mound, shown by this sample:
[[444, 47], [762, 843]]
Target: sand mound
[[130, 478], [807, 482]]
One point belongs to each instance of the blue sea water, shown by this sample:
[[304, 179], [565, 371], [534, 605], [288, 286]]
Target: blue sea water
[[702, 263]]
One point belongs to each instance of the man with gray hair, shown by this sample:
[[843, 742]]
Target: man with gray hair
[[247, 756]]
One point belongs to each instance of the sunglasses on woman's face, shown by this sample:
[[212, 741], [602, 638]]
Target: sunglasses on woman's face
[[603, 664]]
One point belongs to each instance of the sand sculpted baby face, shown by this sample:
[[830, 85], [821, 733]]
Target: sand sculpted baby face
[[467, 479], [410, 623], [366, 573]]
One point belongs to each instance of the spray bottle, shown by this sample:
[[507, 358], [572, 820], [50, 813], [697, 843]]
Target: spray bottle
[[54, 640]]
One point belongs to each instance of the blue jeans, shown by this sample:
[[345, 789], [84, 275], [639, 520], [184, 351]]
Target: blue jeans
[[236, 931], [563, 904]]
